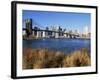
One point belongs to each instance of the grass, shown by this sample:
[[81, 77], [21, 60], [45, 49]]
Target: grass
[[44, 58], [77, 58]]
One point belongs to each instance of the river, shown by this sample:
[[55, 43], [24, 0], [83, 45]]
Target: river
[[63, 45]]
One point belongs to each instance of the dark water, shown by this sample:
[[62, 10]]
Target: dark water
[[63, 45]]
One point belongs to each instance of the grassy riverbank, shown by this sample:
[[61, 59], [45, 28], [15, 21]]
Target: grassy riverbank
[[44, 58]]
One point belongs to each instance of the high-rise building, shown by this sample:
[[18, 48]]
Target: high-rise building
[[86, 32]]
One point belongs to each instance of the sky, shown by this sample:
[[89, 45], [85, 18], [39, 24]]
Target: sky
[[67, 20]]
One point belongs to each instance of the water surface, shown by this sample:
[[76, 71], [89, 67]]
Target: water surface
[[63, 45]]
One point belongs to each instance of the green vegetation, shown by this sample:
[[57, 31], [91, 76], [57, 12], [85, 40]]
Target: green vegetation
[[44, 58]]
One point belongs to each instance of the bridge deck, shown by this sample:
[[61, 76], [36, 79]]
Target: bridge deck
[[53, 31]]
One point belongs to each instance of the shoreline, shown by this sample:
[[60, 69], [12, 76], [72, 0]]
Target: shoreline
[[44, 58], [56, 38], [34, 37]]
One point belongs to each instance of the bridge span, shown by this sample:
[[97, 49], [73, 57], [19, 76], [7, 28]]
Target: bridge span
[[36, 32]]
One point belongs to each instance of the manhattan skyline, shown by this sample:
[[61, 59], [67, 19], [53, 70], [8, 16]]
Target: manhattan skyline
[[67, 20]]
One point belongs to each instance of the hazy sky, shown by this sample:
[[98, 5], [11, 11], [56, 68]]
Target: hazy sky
[[68, 20]]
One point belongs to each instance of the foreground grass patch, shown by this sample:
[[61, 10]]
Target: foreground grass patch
[[44, 58]]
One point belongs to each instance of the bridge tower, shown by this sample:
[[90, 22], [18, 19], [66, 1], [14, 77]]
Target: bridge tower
[[28, 25]]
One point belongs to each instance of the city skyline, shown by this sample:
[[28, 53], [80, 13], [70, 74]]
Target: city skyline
[[67, 20]]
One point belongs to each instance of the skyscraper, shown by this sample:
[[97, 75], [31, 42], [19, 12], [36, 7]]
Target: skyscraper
[[86, 32]]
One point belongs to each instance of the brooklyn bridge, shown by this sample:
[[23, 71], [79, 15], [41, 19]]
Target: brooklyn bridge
[[36, 32]]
